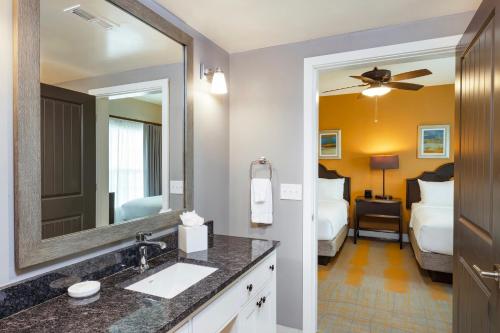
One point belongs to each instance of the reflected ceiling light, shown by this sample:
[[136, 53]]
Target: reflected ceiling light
[[128, 95], [376, 91], [217, 79]]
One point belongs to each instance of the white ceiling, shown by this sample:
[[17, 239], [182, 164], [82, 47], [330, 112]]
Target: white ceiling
[[240, 25], [154, 98], [72, 48], [443, 72]]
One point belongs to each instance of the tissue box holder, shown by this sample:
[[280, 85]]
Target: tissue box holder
[[192, 239]]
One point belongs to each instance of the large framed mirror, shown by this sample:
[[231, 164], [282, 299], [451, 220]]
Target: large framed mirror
[[103, 125]]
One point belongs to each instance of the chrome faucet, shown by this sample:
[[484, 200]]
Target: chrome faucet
[[143, 242]]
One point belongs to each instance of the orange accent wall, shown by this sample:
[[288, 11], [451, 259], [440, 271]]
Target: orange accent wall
[[400, 114]]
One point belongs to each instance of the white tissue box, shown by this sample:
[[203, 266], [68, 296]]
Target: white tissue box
[[192, 239]]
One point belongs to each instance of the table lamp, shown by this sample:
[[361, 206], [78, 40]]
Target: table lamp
[[384, 162]]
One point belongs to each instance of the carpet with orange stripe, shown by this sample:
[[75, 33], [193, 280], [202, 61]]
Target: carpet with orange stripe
[[373, 286]]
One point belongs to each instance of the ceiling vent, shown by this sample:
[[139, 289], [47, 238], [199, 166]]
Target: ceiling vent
[[89, 17]]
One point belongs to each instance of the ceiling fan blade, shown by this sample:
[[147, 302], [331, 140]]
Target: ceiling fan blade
[[403, 85], [363, 78], [410, 75], [358, 85]]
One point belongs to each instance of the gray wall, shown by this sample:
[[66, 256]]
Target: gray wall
[[266, 119], [211, 145]]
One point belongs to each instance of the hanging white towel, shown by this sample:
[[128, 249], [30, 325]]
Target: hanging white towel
[[261, 200]]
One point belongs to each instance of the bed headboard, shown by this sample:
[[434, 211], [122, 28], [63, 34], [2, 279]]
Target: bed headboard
[[323, 172], [441, 174]]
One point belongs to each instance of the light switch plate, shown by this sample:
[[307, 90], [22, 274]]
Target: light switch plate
[[176, 187], [291, 192]]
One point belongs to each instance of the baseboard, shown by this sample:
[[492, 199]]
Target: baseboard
[[286, 329], [379, 234]]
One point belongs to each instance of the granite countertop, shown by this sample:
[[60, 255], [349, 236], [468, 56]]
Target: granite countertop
[[116, 309]]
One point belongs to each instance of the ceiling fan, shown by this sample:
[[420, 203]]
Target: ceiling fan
[[381, 81]]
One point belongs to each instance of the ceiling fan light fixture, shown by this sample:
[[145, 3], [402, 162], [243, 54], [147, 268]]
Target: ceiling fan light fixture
[[376, 91]]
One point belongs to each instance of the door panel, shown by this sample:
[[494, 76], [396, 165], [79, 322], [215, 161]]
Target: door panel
[[68, 161], [475, 188], [474, 312], [476, 231]]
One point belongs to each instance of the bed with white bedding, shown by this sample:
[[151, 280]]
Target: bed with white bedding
[[433, 227], [137, 208], [430, 198], [333, 211], [332, 217]]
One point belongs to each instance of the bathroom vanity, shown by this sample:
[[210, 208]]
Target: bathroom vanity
[[103, 153], [239, 295]]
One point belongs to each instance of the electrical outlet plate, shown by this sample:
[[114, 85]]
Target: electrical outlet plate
[[291, 192], [176, 187]]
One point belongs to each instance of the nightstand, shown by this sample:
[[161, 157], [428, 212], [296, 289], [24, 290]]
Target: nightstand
[[388, 211]]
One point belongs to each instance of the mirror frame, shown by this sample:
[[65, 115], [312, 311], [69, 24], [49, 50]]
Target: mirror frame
[[31, 250]]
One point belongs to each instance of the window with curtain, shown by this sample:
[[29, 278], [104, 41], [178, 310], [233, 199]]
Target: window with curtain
[[152, 160], [126, 160]]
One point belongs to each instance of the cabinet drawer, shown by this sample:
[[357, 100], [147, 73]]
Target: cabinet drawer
[[259, 315], [257, 278]]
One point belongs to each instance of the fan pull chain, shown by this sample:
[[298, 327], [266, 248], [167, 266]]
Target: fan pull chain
[[375, 120]]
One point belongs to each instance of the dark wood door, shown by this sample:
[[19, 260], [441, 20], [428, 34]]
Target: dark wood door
[[476, 305], [68, 161]]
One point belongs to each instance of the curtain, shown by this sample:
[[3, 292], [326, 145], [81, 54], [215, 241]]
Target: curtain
[[152, 160], [126, 163]]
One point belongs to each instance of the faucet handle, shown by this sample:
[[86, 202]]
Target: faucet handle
[[142, 236]]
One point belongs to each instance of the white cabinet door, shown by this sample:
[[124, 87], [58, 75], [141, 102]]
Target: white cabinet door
[[248, 319], [186, 328], [260, 313], [267, 312]]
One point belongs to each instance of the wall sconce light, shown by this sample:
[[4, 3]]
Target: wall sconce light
[[216, 77]]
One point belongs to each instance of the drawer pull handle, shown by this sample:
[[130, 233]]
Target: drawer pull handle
[[250, 287], [259, 303], [271, 268]]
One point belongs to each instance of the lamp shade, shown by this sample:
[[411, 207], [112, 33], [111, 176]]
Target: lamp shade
[[219, 86], [384, 162]]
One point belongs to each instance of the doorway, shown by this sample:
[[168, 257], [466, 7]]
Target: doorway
[[312, 68], [133, 183]]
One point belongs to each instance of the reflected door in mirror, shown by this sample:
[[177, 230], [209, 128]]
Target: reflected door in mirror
[[68, 161]]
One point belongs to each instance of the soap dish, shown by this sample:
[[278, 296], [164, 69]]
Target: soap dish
[[84, 289]]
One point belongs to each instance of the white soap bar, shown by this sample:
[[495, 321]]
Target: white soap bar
[[193, 239], [84, 289]]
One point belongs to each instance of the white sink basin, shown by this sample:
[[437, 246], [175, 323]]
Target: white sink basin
[[172, 280]]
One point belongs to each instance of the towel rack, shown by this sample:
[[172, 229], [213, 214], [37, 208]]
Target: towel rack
[[261, 161]]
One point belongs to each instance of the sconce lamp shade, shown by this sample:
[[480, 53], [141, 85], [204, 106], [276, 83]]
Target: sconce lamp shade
[[219, 86], [384, 162]]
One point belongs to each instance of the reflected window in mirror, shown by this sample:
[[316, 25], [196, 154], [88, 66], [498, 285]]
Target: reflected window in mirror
[[112, 118]]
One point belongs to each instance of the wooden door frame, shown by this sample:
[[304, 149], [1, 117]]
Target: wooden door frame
[[312, 67], [30, 249]]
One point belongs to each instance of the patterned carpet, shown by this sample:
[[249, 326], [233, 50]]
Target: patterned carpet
[[374, 286]]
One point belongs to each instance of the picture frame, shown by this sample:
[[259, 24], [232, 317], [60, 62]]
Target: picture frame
[[330, 144], [433, 141]]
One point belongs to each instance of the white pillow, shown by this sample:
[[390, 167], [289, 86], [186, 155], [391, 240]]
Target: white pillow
[[330, 189], [436, 193]]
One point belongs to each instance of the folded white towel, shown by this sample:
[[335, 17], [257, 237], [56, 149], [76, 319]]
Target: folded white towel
[[261, 200], [259, 189]]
